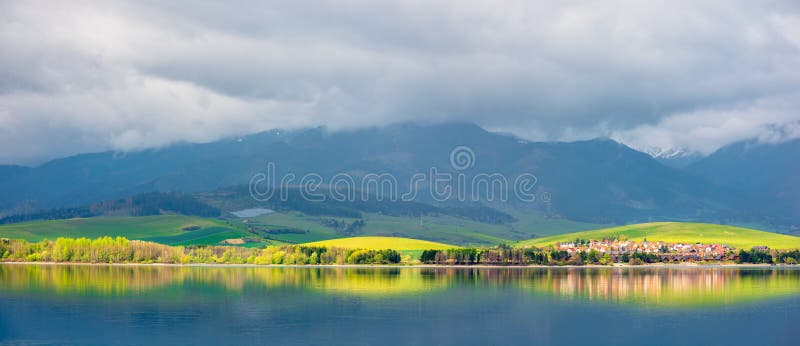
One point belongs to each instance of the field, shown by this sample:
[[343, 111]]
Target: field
[[675, 232], [441, 228], [295, 227], [379, 243], [378, 230], [166, 229], [209, 236]]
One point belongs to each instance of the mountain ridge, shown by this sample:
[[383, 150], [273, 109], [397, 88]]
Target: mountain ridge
[[598, 180]]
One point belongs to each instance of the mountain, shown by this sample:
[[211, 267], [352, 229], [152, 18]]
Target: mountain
[[596, 180], [673, 157], [9, 172], [87, 178], [765, 177], [603, 178]]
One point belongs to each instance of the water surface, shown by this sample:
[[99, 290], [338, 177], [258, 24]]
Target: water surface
[[85, 304]]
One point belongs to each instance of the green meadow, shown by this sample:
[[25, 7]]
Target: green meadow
[[298, 228], [406, 246], [381, 243], [165, 229], [677, 232]]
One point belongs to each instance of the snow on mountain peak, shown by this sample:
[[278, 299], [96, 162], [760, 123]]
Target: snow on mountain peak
[[668, 153]]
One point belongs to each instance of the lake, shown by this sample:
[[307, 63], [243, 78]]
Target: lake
[[99, 304]]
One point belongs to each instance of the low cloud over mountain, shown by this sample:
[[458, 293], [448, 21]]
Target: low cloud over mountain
[[131, 75]]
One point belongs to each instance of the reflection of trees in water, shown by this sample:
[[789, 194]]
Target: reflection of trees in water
[[67, 279], [119, 280], [646, 286]]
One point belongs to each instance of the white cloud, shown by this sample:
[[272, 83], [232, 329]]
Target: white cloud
[[88, 76], [769, 119]]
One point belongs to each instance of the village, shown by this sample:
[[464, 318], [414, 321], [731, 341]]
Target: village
[[619, 250]]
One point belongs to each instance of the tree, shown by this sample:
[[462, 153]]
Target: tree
[[594, 256], [744, 257], [606, 259], [428, 256]]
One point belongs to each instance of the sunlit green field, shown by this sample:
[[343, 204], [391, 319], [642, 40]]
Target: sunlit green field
[[379, 243], [406, 246], [675, 232], [166, 229]]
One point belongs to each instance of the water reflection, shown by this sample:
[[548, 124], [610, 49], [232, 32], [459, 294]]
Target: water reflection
[[667, 287], [112, 280], [663, 287]]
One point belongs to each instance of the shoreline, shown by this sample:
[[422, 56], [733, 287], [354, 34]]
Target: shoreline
[[416, 266]]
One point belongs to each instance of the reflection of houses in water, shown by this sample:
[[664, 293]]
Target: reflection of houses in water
[[669, 286]]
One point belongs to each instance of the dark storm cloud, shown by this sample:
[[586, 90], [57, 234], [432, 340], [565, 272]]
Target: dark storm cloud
[[83, 76]]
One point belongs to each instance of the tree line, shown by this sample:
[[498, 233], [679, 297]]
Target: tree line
[[122, 250], [757, 256], [507, 255]]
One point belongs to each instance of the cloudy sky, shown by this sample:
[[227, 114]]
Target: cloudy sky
[[81, 76]]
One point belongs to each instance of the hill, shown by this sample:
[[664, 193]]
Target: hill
[[165, 229], [380, 243], [675, 232], [598, 181], [295, 227], [284, 227], [145, 204]]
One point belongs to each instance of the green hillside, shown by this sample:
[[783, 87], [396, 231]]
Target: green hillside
[[438, 228], [379, 243], [165, 229], [292, 227], [674, 232]]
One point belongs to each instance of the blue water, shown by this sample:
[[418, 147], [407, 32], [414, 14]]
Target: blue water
[[100, 305]]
